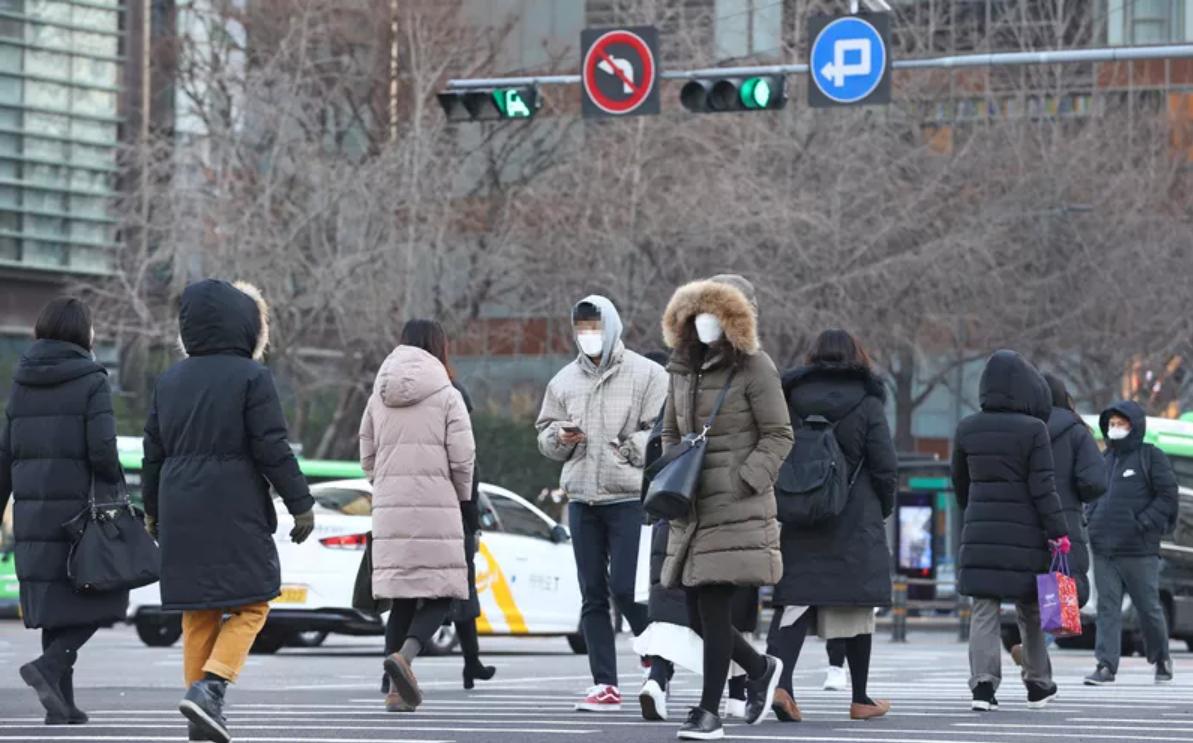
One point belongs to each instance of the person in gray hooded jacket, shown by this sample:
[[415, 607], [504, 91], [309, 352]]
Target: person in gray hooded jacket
[[596, 418]]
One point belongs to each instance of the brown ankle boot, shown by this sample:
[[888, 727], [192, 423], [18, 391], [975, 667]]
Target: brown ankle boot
[[785, 707], [869, 711], [395, 703]]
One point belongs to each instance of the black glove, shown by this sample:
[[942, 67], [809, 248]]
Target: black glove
[[304, 525]]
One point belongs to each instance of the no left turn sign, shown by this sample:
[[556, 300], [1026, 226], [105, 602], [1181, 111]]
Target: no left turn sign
[[619, 70]]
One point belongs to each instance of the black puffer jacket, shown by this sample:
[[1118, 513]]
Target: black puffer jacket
[[1003, 478], [1080, 479], [214, 442], [57, 435], [1135, 513], [846, 562]]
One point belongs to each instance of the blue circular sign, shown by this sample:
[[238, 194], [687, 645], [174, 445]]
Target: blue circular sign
[[848, 60]]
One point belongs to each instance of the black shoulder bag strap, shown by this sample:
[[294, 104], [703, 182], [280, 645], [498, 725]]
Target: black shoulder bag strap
[[716, 409], [857, 472]]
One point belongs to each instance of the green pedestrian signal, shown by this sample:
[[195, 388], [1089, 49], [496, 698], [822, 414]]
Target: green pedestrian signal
[[509, 102], [766, 92], [755, 93], [495, 104]]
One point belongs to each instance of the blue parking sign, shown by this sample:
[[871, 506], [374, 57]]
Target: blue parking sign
[[849, 62]]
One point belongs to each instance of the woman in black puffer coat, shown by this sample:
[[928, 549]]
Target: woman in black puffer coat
[[1080, 477], [842, 569], [57, 443], [1004, 482]]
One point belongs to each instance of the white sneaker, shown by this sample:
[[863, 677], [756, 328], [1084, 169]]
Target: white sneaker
[[735, 709], [654, 702], [835, 679]]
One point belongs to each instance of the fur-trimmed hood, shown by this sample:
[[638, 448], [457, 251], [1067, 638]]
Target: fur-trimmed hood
[[218, 317], [872, 383], [730, 298]]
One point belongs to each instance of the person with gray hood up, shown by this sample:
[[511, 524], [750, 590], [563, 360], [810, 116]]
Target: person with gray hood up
[[596, 418]]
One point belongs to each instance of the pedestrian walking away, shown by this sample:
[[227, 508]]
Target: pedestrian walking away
[[215, 440], [1125, 528], [418, 451], [596, 419], [1080, 477], [1004, 483], [57, 448], [836, 573], [731, 536]]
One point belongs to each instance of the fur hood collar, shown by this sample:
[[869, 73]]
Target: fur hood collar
[[219, 317], [727, 300], [873, 384]]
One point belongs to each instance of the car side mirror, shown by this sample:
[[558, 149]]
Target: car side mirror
[[559, 535]]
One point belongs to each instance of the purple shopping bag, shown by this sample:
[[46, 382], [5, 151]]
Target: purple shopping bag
[[1056, 591]]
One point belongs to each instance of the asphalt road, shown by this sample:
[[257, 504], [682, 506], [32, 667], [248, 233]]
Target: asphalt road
[[330, 695]]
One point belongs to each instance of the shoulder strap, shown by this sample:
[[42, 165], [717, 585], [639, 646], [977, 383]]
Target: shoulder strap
[[716, 409]]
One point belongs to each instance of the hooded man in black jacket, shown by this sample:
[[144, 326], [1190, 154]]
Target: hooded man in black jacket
[[1125, 528], [1004, 482], [215, 440]]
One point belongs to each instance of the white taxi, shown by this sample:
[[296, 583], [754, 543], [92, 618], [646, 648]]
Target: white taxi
[[525, 576]]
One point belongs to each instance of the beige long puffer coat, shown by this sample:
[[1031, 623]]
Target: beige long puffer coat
[[732, 535], [416, 447]]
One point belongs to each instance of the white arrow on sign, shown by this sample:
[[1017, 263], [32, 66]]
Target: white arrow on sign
[[837, 70], [627, 72]]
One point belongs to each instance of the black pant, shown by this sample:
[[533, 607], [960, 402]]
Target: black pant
[[836, 652], [605, 541], [710, 615], [470, 646], [416, 618], [60, 647]]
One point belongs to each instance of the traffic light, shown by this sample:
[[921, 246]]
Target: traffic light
[[765, 92], [490, 105]]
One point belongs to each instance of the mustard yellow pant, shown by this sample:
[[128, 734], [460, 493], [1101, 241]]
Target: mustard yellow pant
[[212, 644]]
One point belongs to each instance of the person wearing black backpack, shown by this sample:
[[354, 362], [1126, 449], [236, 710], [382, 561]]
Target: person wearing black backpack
[[837, 570], [1125, 529], [1004, 482]]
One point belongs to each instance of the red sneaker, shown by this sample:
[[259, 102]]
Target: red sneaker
[[601, 698]]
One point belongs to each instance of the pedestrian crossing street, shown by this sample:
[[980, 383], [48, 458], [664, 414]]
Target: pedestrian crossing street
[[531, 702], [930, 706]]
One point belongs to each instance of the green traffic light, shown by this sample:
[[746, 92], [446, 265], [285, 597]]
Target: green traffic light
[[509, 101], [756, 93]]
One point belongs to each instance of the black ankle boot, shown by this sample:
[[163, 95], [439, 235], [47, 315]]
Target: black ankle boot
[[477, 671], [203, 705], [44, 679], [75, 716]]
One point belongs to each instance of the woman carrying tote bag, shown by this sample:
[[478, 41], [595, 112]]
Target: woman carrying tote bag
[[57, 442], [730, 537]]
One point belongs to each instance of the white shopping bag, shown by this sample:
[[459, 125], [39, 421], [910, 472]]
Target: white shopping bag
[[642, 576]]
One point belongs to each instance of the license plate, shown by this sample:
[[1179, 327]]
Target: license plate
[[292, 595]]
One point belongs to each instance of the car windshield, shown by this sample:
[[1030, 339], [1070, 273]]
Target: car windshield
[[344, 500]]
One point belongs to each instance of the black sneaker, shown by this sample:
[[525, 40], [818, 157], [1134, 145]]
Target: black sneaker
[[1039, 695], [203, 705], [701, 725], [1100, 677], [983, 698], [1164, 672], [45, 683], [760, 692], [193, 733]]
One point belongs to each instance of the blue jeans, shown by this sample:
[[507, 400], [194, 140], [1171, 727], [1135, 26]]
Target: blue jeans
[[605, 541], [1140, 578]]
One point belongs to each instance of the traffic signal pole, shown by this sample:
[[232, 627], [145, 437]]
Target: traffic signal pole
[[959, 61]]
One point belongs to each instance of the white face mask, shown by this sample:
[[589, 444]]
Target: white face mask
[[591, 342], [1118, 433], [708, 328]]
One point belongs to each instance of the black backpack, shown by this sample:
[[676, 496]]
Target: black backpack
[[814, 481]]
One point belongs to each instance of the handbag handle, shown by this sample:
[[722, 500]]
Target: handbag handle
[[716, 409]]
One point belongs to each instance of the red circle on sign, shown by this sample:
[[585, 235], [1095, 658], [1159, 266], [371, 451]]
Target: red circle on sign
[[597, 53]]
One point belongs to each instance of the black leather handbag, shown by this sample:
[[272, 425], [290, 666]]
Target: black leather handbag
[[110, 549], [675, 477], [362, 589]]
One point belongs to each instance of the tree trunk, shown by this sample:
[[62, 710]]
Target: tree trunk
[[904, 378]]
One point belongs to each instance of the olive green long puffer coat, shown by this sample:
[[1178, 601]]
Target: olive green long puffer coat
[[732, 534]]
